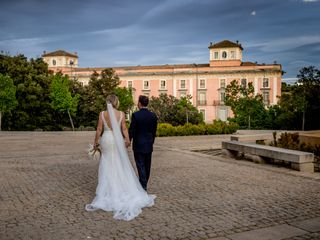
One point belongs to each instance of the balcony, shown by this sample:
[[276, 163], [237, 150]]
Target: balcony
[[218, 103], [202, 102]]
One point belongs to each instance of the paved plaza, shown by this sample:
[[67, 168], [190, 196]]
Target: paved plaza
[[46, 179]]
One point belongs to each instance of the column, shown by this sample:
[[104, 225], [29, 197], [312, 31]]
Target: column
[[275, 90], [255, 85]]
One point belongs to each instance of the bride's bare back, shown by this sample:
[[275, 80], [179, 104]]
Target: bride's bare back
[[118, 115]]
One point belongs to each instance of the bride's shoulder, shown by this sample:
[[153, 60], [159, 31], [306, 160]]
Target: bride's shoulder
[[103, 114]]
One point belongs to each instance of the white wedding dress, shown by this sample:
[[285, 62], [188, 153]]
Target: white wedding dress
[[119, 189]]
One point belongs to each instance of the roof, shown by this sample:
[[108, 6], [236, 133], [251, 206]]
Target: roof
[[225, 44], [248, 64], [59, 53]]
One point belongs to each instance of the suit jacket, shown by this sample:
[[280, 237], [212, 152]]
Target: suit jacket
[[142, 130]]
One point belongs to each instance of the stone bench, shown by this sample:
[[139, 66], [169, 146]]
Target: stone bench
[[254, 138], [301, 161]]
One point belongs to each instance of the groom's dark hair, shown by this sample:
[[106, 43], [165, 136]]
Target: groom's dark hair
[[143, 100]]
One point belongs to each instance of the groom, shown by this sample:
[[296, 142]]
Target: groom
[[142, 130]]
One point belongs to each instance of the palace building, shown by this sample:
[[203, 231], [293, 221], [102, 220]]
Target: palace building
[[206, 82]]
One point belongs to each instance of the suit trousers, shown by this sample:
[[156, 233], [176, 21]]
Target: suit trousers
[[143, 162]]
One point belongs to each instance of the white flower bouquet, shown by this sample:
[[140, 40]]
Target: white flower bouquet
[[94, 153]]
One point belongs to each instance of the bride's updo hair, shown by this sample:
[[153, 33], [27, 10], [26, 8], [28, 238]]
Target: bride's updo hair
[[113, 99]]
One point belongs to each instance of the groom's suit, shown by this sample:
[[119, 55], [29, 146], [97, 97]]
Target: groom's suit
[[142, 130]]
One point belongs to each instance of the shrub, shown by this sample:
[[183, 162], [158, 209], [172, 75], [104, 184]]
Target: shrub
[[165, 129], [217, 127], [292, 141]]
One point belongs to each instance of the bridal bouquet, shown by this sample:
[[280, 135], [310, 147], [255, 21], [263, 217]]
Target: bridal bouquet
[[94, 154]]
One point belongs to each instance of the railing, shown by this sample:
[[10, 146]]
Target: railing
[[218, 103], [202, 102]]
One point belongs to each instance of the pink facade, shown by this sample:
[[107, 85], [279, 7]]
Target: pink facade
[[204, 82]]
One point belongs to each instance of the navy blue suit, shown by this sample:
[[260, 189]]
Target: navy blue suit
[[143, 130]]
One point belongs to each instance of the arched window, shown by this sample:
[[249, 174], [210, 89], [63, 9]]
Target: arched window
[[54, 62], [224, 54]]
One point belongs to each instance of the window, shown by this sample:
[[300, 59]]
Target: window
[[222, 83], [145, 85], [222, 114], [216, 55], [203, 112], [54, 62], [266, 98], [233, 54], [224, 54], [129, 84], [163, 84], [182, 84], [244, 83], [202, 83], [71, 62], [265, 83], [222, 96], [202, 99]]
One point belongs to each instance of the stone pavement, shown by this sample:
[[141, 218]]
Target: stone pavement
[[46, 179]]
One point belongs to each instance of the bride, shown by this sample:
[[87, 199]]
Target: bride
[[118, 189]]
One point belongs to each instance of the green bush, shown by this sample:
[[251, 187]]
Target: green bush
[[165, 129], [217, 127], [292, 141]]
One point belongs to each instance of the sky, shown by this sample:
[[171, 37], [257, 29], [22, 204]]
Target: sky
[[108, 33]]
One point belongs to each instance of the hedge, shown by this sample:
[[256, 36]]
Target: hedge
[[217, 127]]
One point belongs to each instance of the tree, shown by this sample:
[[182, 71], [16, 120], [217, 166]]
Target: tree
[[125, 98], [186, 112], [247, 107], [62, 100], [8, 99], [299, 104], [309, 95], [163, 107], [175, 111], [32, 80], [93, 99]]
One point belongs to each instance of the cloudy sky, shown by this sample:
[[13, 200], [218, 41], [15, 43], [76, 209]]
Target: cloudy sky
[[108, 33]]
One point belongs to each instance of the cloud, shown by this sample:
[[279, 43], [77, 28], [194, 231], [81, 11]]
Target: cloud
[[253, 13], [285, 43], [25, 45], [310, 0], [290, 80]]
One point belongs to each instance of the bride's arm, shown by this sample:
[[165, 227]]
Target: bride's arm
[[98, 132], [124, 130]]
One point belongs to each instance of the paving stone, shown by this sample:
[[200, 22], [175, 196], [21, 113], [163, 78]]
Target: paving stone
[[311, 225], [219, 238], [46, 179], [271, 233]]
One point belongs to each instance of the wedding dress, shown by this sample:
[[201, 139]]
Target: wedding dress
[[119, 189]]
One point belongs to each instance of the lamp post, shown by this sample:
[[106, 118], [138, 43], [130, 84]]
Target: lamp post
[[187, 115]]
